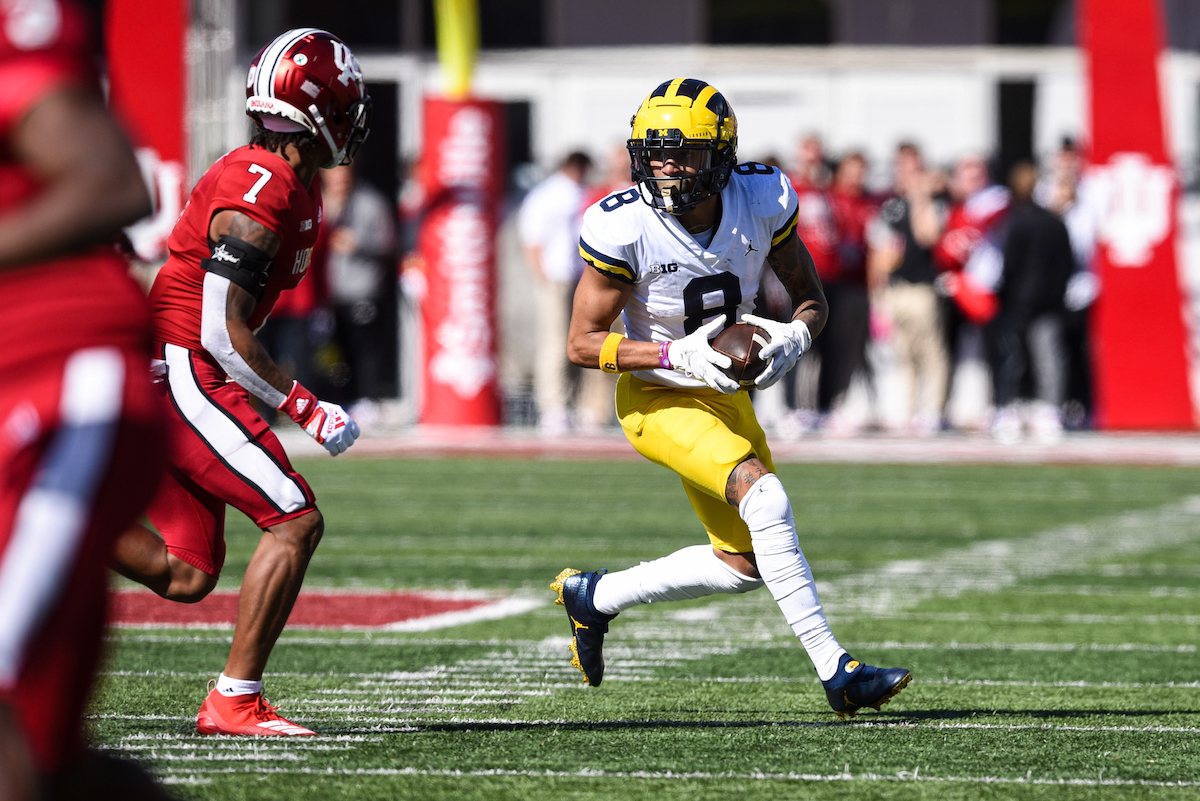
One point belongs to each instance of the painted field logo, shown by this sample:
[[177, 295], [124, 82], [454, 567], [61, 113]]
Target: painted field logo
[[1134, 198], [325, 609]]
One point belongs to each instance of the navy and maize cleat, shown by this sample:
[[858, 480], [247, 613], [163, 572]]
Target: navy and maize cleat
[[856, 685], [588, 626]]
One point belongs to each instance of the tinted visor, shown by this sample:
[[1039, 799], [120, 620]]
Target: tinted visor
[[694, 159], [360, 126]]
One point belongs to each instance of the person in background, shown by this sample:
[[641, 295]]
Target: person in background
[[596, 388], [843, 348], [548, 225], [300, 322], [359, 234], [969, 258], [1066, 190], [1025, 338], [901, 269], [817, 227], [83, 445]]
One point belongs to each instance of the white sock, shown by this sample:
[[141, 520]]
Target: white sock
[[693, 572], [231, 687], [768, 512]]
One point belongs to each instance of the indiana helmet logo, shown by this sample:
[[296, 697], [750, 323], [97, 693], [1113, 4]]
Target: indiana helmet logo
[[1135, 204]]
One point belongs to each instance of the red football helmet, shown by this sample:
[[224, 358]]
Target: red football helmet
[[308, 80]]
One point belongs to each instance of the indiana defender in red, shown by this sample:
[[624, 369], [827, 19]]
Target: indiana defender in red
[[246, 236], [80, 431]]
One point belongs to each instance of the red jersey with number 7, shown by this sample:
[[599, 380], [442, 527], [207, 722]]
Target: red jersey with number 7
[[261, 185]]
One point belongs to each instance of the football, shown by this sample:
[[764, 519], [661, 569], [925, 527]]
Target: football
[[742, 342]]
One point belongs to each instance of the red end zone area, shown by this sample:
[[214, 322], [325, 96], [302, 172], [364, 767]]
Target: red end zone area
[[397, 611]]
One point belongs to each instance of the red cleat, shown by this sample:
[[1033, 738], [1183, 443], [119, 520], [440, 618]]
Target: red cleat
[[244, 714]]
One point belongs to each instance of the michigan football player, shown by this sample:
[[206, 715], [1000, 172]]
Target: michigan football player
[[679, 257]]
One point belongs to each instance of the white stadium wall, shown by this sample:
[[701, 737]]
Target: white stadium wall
[[868, 98], [943, 98]]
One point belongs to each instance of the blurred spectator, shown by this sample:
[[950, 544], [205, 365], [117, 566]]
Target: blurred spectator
[[1065, 190], [299, 323], [843, 346], [971, 240], [968, 254], [411, 206], [815, 223], [771, 405], [773, 161], [596, 388], [1024, 340], [817, 229], [617, 176], [548, 224], [900, 267], [360, 232], [811, 167]]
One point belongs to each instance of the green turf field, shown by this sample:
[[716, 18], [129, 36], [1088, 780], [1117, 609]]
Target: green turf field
[[1049, 616]]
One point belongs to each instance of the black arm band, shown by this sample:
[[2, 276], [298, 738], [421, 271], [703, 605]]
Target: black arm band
[[240, 262]]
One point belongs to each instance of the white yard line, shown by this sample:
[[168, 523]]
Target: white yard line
[[593, 773], [999, 564], [412, 683], [416, 723], [1059, 619], [497, 610]]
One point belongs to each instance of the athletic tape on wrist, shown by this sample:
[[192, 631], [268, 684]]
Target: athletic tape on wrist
[[608, 353]]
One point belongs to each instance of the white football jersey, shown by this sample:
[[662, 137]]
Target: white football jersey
[[678, 285]]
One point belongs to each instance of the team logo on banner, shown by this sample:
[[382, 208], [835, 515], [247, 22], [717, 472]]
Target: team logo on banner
[[463, 353], [1135, 198], [463, 175]]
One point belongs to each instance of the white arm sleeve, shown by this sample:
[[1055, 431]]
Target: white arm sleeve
[[214, 336]]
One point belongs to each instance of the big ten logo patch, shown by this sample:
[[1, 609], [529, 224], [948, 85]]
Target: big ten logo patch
[[303, 259]]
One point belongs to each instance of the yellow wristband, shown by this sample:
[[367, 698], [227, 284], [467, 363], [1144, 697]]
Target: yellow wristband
[[608, 353]]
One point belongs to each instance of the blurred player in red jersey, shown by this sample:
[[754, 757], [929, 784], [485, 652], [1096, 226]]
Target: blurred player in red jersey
[[844, 347], [80, 449], [247, 235]]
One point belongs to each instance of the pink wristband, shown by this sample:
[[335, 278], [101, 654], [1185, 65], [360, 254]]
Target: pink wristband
[[663, 359]]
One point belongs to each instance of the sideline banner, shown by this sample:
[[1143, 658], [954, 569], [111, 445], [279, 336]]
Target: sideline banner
[[1139, 338], [146, 44], [463, 172]]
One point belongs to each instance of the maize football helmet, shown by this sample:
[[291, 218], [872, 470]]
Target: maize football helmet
[[308, 80], [689, 121]]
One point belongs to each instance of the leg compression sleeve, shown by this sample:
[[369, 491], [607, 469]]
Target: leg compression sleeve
[[693, 572], [768, 513]]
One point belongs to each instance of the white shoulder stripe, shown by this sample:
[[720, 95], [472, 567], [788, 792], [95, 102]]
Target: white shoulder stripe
[[265, 80]]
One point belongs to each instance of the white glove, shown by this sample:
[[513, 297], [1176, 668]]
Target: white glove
[[325, 422], [332, 427], [789, 341], [694, 356]]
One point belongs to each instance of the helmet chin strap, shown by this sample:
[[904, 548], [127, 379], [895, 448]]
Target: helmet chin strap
[[336, 156]]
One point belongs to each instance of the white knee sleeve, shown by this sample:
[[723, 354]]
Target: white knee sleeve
[[768, 513], [693, 572]]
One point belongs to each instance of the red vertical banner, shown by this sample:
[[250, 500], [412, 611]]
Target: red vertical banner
[[147, 50], [1139, 334], [464, 173]]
